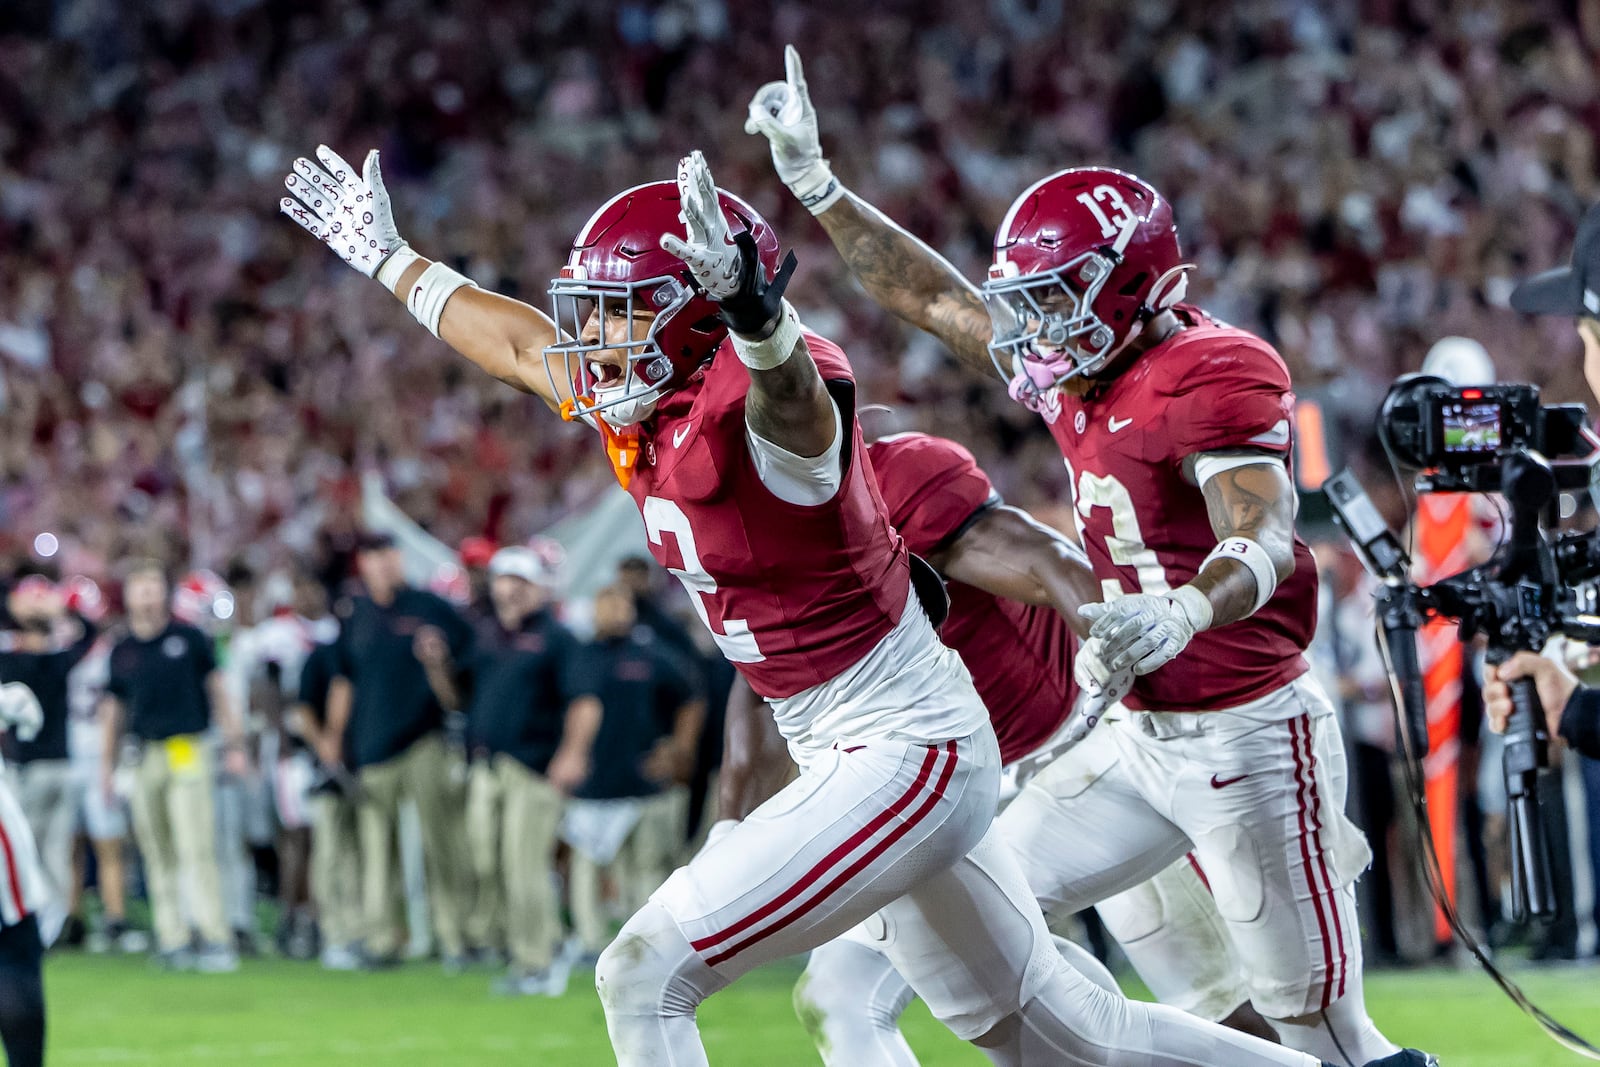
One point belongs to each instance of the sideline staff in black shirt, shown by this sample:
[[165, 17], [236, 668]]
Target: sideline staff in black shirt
[[381, 694], [396, 745], [37, 660], [164, 679], [165, 685], [652, 711], [524, 677]]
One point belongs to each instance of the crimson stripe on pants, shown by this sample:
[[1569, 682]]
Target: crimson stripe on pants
[[1322, 862], [13, 881], [823, 865], [1305, 856], [855, 868]]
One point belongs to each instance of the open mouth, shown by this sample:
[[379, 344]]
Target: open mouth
[[604, 374]]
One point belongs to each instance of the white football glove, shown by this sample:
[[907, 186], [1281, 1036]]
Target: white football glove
[[1102, 687], [19, 709], [1144, 632], [782, 112], [346, 211], [712, 256]]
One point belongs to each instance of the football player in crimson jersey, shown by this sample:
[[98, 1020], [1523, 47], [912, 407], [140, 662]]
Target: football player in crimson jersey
[[735, 432], [1176, 433], [1020, 652]]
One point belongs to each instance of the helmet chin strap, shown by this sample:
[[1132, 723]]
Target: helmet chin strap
[[629, 412]]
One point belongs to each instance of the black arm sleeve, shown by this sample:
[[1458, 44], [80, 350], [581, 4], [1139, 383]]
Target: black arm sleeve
[[1580, 721], [73, 654]]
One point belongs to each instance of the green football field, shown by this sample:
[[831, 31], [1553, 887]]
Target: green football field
[[118, 1011]]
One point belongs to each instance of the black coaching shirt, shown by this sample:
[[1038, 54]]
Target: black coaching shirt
[[641, 686], [46, 674], [162, 682], [521, 685], [394, 705]]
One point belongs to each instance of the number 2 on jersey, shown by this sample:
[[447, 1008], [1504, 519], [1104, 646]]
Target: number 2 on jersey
[[662, 516], [1126, 545]]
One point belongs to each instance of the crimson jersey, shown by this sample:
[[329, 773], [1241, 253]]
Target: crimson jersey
[[793, 595], [1020, 655], [1208, 388]]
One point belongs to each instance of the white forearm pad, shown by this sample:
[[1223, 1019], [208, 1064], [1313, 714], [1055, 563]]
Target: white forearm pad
[[428, 296], [1253, 556], [395, 266], [817, 188], [1195, 604], [776, 349]]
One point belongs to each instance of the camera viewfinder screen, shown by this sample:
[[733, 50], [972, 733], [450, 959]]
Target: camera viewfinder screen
[[1471, 427]]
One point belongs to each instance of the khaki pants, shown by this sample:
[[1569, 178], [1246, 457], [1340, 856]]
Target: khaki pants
[[646, 858], [336, 868], [512, 816], [175, 826], [48, 793], [425, 773]]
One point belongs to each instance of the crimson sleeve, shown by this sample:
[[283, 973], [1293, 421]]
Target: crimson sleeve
[[930, 486], [1237, 396]]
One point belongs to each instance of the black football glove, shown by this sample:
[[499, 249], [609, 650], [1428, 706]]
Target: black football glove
[[753, 309]]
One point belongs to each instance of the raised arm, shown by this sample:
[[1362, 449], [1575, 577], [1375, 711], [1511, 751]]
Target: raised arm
[[350, 213], [787, 405], [899, 271]]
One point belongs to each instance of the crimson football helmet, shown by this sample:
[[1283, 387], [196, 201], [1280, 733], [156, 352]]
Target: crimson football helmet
[[618, 268], [1082, 259]]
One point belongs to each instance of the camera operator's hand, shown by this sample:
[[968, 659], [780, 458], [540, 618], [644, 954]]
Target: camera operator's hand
[[1589, 333], [1554, 682]]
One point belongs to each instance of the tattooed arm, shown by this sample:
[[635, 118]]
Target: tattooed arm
[[1255, 501], [898, 271], [909, 279]]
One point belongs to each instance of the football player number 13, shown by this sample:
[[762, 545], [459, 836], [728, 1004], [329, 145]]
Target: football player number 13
[[1126, 545], [735, 640]]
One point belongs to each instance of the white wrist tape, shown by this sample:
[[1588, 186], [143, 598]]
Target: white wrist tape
[[397, 264], [427, 298], [1252, 555], [1196, 607], [775, 350], [817, 188]]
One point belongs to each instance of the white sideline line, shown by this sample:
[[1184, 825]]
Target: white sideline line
[[261, 1050]]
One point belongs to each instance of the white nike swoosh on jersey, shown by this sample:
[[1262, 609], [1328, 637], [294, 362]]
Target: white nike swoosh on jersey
[[1115, 424], [679, 434], [1278, 435]]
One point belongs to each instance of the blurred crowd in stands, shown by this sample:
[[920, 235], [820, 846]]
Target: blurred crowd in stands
[[185, 379]]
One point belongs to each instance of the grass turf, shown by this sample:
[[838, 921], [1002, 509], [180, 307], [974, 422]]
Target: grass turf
[[107, 1010]]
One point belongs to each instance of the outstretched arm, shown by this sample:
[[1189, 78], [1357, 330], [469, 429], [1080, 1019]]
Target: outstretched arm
[[350, 213], [1010, 554], [900, 272]]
